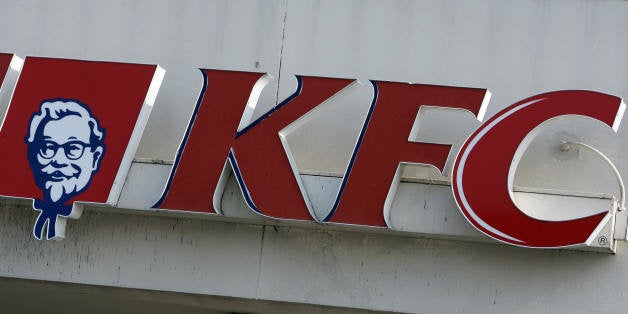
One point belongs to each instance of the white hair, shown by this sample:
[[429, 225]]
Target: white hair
[[57, 109]]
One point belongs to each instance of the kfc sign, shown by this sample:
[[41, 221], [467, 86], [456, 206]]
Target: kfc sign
[[73, 126]]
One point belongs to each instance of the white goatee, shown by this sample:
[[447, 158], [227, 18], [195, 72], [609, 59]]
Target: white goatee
[[58, 189]]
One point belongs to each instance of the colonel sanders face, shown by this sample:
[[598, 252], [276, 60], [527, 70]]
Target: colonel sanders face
[[65, 147]]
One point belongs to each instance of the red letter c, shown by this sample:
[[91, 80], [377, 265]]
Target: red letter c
[[480, 174]]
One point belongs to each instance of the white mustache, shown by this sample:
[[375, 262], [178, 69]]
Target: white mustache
[[67, 171]]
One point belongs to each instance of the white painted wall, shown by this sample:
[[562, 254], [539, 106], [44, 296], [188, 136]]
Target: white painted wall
[[515, 48], [311, 265]]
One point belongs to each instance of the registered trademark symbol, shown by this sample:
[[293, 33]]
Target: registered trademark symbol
[[602, 240]]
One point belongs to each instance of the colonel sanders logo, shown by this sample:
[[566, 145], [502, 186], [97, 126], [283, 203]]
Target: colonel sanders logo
[[65, 149]]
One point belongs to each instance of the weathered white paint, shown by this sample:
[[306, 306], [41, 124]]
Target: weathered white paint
[[17, 294], [307, 265], [418, 208]]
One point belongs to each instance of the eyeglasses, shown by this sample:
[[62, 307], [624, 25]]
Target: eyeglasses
[[73, 150]]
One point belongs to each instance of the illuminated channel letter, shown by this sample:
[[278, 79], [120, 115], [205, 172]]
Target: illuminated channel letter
[[256, 153], [482, 174], [373, 173]]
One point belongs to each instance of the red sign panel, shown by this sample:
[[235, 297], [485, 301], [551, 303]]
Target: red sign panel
[[5, 62], [69, 127]]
